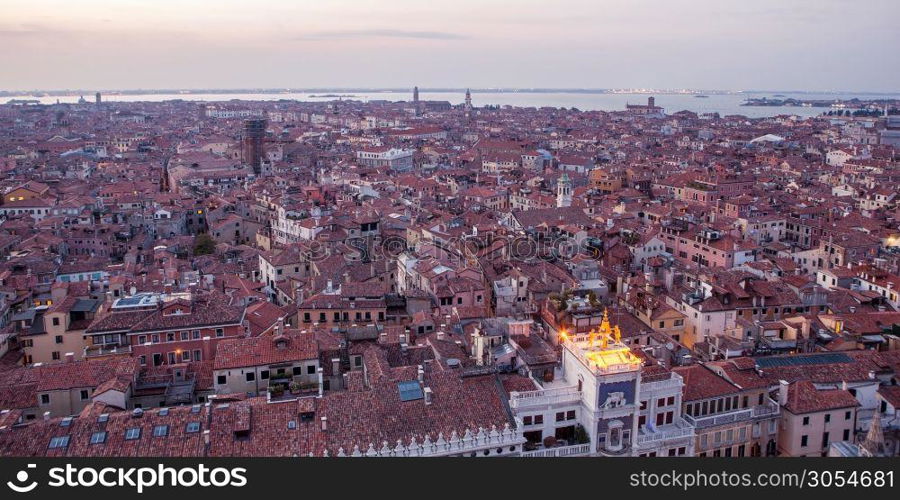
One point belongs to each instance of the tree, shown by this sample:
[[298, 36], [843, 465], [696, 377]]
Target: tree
[[204, 244]]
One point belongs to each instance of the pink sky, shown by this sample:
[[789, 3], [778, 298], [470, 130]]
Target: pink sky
[[711, 44]]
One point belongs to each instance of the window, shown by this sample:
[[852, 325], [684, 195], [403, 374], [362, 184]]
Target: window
[[220, 332], [161, 431], [570, 415], [297, 370], [311, 369], [846, 434], [59, 338], [185, 335], [805, 420], [264, 375], [55, 355], [98, 437], [804, 440], [56, 321], [132, 433], [538, 419], [192, 427], [251, 376], [847, 415], [59, 442], [45, 399], [827, 418], [84, 394], [825, 440], [220, 380], [560, 416]]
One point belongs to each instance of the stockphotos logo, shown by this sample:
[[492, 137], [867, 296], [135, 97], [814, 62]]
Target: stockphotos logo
[[21, 484], [137, 478]]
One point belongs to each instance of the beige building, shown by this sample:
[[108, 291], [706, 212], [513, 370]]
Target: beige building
[[729, 421], [55, 333], [63, 389], [285, 363], [812, 419]]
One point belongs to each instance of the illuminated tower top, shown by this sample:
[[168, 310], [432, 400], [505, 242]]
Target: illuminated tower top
[[601, 350]]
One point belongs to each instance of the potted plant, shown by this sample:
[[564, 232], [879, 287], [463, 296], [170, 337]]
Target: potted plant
[[276, 390], [295, 388], [549, 442]]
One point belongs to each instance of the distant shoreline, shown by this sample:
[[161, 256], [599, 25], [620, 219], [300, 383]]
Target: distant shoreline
[[111, 92]]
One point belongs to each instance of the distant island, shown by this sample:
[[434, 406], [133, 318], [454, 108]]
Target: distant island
[[854, 103]]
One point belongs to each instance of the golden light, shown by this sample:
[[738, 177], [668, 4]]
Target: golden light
[[564, 335]]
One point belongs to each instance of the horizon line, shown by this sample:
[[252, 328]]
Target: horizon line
[[277, 90]]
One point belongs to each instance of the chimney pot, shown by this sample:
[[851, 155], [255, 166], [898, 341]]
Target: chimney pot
[[324, 424], [46, 415], [783, 392]]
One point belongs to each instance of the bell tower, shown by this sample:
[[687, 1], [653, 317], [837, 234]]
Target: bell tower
[[564, 191]]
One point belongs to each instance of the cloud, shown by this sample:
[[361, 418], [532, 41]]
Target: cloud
[[380, 33]]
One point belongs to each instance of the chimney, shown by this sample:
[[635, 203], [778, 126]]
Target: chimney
[[871, 375], [783, 392], [70, 357], [335, 366], [324, 424], [428, 395], [441, 335], [46, 415], [421, 373]]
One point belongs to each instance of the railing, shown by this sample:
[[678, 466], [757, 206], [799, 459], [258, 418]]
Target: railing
[[767, 409], [734, 416], [672, 382], [561, 395], [102, 350], [559, 451], [665, 433], [573, 346]]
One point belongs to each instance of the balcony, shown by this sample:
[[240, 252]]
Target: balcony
[[99, 351], [651, 437], [670, 381], [574, 450], [546, 397], [734, 416]]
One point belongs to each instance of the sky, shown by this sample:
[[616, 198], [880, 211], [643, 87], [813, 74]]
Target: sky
[[814, 45]]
